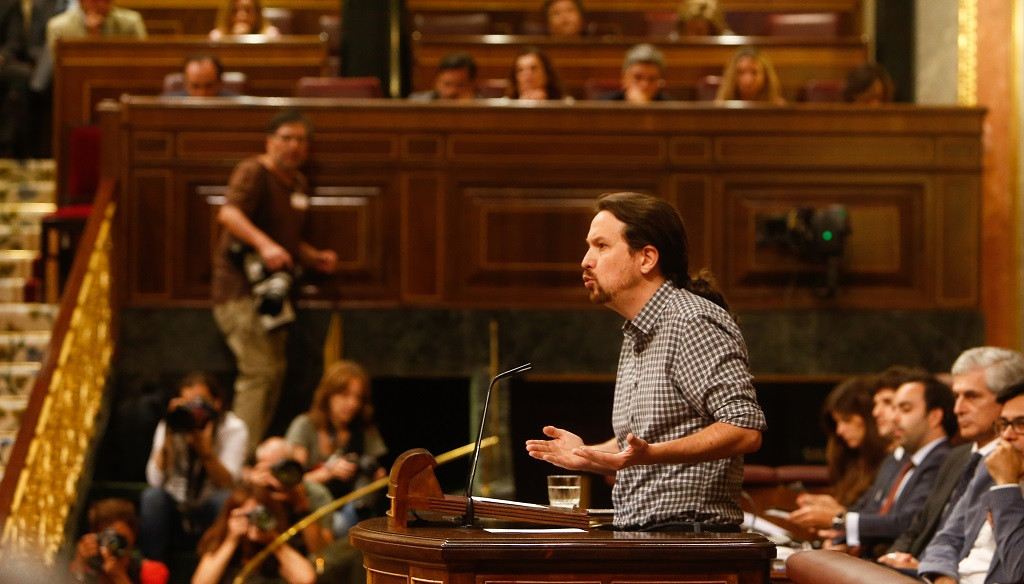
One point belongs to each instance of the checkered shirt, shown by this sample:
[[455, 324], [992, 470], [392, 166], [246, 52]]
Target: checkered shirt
[[683, 366]]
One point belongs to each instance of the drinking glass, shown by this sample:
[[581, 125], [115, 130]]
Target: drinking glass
[[564, 491]]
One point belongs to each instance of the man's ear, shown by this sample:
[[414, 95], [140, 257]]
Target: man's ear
[[648, 259]]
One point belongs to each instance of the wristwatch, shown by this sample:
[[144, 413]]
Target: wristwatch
[[839, 521]]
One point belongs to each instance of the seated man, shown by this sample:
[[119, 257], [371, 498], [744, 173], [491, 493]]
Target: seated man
[[924, 421], [456, 79], [278, 471], [198, 451], [643, 76], [107, 553], [94, 18], [982, 540], [203, 74]]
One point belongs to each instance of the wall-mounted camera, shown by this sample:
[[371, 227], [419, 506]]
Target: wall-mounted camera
[[813, 234]]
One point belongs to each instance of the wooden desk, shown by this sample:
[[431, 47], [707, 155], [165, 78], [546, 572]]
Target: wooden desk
[[447, 555], [481, 205], [89, 70], [796, 60]]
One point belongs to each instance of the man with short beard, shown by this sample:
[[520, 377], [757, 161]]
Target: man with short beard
[[685, 411]]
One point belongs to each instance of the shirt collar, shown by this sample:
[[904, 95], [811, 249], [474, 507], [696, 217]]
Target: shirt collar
[[918, 457], [643, 323]]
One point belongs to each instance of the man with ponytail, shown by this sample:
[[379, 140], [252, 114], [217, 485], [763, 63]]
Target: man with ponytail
[[685, 411]]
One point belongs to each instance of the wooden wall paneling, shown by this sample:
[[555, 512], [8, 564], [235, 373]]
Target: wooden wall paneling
[[693, 196], [837, 151], [634, 5], [202, 191], [151, 252], [557, 150], [882, 251], [958, 242], [424, 225]]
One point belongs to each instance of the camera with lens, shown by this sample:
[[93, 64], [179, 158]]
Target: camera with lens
[[261, 518], [271, 289], [191, 415], [287, 471], [112, 541]]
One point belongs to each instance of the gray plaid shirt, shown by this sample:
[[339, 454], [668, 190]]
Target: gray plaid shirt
[[683, 366]]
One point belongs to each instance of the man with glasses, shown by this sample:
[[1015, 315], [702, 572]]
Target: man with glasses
[[983, 540]]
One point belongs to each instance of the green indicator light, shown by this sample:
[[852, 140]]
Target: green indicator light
[[826, 235]]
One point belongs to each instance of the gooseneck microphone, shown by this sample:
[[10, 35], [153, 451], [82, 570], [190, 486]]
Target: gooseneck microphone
[[468, 518]]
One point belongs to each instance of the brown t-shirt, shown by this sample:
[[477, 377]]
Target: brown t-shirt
[[275, 206]]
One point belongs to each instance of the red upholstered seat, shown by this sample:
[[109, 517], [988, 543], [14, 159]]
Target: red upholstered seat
[[707, 87], [823, 91], [234, 81], [832, 567], [472, 23], [355, 87], [815, 25], [594, 88], [493, 88]]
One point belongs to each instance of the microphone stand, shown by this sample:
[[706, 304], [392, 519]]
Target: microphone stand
[[469, 518]]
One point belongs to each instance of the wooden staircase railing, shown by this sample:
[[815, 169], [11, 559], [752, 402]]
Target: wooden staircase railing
[[58, 429]]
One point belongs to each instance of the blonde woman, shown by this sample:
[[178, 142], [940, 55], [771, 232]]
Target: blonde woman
[[750, 76], [242, 17]]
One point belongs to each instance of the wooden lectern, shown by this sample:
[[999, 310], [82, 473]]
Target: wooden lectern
[[397, 552]]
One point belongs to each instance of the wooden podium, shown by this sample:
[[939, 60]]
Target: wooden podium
[[396, 551]]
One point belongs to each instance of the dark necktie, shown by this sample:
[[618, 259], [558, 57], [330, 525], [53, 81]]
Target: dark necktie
[[961, 484], [891, 497]]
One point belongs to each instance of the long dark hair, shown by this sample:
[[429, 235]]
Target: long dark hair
[[852, 470], [214, 536], [653, 221], [553, 85]]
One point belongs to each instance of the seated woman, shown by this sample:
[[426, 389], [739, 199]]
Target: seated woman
[[534, 77], [854, 452], [868, 84], [249, 521], [338, 442], [749, 76], [564, 17], [701, 18], [242, 17]]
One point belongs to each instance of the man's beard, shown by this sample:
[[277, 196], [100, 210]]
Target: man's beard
[[599, 295]]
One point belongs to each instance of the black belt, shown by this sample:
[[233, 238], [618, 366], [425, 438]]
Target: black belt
[[692, 527]]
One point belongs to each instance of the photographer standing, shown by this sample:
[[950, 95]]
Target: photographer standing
[[198, 451], [266, 209], [105, 555]]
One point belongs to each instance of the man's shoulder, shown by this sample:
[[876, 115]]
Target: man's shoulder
[[684, 305]]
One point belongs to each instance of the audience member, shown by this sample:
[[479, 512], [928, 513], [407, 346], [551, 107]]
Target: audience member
[[924, 422], [279, 472], [701, 18], [242, 17], [982, 540], [249, 521], [338, 441], [198, 451], [94, 18], [456, 79], [202, 74], [25, 77], [854, 452], [106, 555], [643, 76], [868, 84], [564, 17], [264, 219], [534, 77], [884, 411], [979, 375], [750, 76]]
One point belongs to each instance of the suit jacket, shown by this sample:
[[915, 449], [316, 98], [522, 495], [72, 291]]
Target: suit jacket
[[957, 536], [871, 500], [1007, 508], [926, 522], [71, 25], [877, 529]]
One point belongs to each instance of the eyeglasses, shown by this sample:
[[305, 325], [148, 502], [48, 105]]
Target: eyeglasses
[[1002, 424]]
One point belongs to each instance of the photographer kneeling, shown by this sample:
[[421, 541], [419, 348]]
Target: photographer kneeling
[[249, 521], [277, 471], [198, 451], [106, 554]]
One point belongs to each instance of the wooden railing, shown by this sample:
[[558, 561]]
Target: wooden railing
[[48, 460]]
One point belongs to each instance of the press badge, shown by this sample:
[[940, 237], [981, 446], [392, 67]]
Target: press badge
[[300, 201]]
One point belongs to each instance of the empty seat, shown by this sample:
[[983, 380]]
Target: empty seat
[[468, 23], [594, 87], [281, 18], [355, 87], [814, 25], [832, 567], [660, 24], [707, 87], [823, 91], [493, 88]]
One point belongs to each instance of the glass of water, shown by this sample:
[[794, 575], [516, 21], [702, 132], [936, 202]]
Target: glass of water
[[564, 491]]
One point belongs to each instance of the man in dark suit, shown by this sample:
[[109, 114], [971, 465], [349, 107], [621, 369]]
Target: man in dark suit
[[982, 540], [979, 374], [924, 421]]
